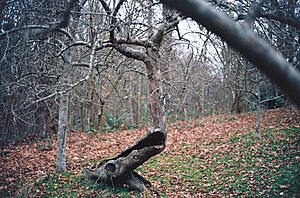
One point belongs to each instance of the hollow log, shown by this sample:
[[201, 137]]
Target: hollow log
[[119, 170]]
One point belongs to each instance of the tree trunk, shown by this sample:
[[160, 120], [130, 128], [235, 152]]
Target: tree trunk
[[139, 103], [130, 111], [63, 116], [62, 133], [8, 118], [82, 122], [155, 91], [99, 120], [119, 170], [258, 109], [90, 118]]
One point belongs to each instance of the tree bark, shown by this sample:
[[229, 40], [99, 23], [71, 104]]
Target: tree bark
[[7, 117], [155, 91], [90, 118], [130, 111], [63, 116], [258, 104], [139, 103]]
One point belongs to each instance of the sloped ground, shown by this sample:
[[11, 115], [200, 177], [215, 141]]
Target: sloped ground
[[215, 156]]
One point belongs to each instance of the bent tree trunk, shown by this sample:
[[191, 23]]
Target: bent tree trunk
[[119, 170]]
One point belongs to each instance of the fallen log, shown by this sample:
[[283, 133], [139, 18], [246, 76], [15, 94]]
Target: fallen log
[[119, 170]]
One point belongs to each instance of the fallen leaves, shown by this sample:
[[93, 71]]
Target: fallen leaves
[[193, 142]]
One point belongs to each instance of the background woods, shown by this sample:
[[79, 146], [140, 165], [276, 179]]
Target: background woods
[[201, 74]]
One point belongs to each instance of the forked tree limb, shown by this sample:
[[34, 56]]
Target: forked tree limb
[[248, 43]]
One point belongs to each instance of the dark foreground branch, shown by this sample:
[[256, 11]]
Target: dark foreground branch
[[254, 48]]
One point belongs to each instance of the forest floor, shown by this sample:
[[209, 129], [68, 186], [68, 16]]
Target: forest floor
[[217, 156]]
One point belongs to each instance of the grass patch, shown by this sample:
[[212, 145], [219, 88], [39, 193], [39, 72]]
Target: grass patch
[[268, 167], [67, 184]]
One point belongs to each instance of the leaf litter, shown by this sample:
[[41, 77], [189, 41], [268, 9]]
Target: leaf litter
[[213, 157]]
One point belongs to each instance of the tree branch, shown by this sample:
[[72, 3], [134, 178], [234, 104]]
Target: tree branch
[[255, 49], [77, 43], [105, 6], [277, 16], [35, 30], [131, 41], [130, 52], [281, 18]]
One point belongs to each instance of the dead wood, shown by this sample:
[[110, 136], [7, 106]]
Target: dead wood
[[119, 170]]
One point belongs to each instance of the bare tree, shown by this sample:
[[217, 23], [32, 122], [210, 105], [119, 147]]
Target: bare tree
[[120, 169]]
